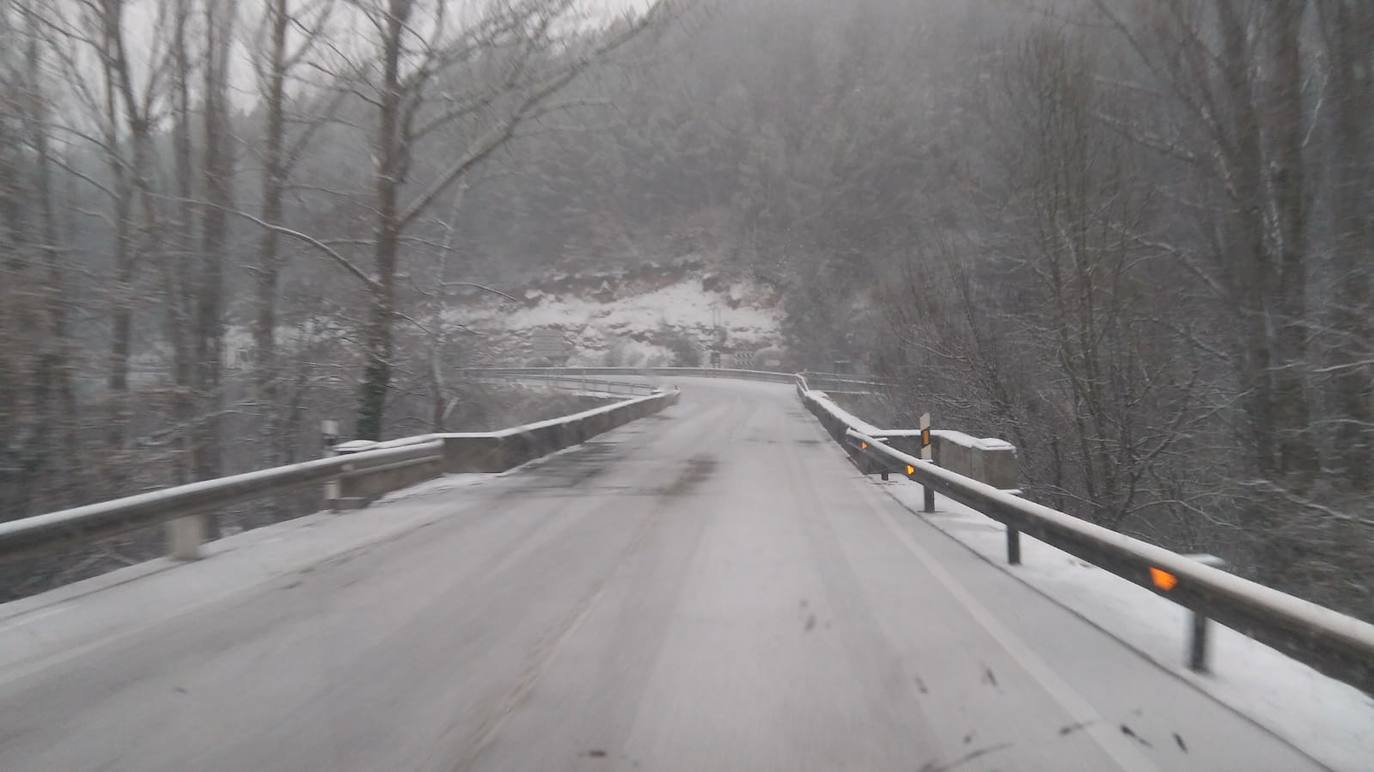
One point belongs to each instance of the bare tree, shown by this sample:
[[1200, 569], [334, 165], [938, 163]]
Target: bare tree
[[470, 82], [54, 395], [1347, 28], [1235, 71], [1048, 316], [290, 123], [120, 105], [217, 171], [18, 312], [178, 295]]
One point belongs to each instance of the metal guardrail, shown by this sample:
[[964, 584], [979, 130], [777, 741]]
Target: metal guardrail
[[1335, 644], [846, 383], [561, 382], [686, 372], [93, 521], [182, 506], [1332, 643], [822, 381]]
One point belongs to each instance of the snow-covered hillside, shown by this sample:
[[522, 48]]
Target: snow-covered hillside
[[632, 322]]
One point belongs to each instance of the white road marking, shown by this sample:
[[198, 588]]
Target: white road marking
[[1126, 756], [25, 619]]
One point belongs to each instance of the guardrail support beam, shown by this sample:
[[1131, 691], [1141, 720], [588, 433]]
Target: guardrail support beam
[[1197, 644], [184, 537], [1199, 624]]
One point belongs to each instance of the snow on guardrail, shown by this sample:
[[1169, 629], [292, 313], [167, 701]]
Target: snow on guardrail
[[1332, 643], [395, 460], [1338, 645]]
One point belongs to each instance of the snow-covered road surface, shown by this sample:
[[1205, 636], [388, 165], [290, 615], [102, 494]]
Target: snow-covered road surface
[[711, 588]]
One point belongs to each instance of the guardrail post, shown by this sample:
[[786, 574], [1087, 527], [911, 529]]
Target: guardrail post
[[1198, 624], [1197, 644], [338, 502], [184, 537], [1013, 546]]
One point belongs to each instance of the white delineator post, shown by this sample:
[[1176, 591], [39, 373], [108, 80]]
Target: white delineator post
[[338, 502], [927, 455], [329, 431]]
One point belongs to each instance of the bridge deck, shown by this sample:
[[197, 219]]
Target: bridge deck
[[711, 588]]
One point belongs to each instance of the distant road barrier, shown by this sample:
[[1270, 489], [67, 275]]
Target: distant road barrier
[[1335, 644], [363, 472], [825, 381], [686, 372], [560, 382]]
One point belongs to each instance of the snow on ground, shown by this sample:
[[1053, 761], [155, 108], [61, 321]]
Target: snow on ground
[[1327, 719], [443, 484], [629, 319], [682, 304], [624, 322]]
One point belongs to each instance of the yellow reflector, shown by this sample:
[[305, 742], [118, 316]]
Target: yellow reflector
[[910, 469], [863, 445], [1162, 579]]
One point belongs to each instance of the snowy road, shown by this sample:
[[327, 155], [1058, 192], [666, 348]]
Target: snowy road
[[712, 588]]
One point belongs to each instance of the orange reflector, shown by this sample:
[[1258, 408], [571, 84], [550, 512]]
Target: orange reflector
[[925, 438], [863, 445], [1162, 579], [910, 470]]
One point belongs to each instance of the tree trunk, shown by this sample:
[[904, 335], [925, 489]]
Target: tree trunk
[[1298, 461], [378, 340], [269, 265], [120, 94], [1350, 27], [207, 451], [17, 325], [177, 296], [54, 396], [1244, 256], [392, 161]]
